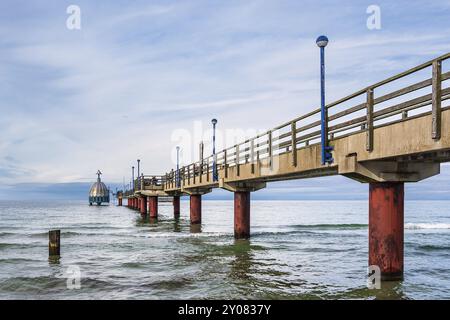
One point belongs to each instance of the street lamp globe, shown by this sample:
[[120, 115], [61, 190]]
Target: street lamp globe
[[214, 121], [322, 41]]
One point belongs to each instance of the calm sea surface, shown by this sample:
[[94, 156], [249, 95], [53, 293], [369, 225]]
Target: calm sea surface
[[298, 250]]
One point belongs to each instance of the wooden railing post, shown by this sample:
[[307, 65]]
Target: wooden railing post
[[201, 160], [369, 130], [294, 143], [269, 142], [436, 99], [404, 114], [238, 171], [189, 173], [225, 163], [257, 161], [252, 155]]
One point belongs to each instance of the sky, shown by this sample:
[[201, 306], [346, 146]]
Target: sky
[[141, 77]]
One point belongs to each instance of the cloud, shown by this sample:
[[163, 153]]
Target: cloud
[[76, 101]]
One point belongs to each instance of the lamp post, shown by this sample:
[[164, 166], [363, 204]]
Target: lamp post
[[178, 168], [215, 177], [138, 167], [322, 42], [139, 172], [132, 178]]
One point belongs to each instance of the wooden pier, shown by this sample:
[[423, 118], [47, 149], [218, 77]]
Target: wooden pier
[[386, 135]]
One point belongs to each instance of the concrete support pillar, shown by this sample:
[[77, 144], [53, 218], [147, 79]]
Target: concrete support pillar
[[176, 206], [143, 205], [119, 202], [196, 209], [386, 208], [242, 214], [153, 207]]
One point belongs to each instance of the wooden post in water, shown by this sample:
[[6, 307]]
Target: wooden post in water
[[54, 237]]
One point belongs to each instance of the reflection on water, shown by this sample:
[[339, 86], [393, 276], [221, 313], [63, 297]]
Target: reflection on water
[[390, 290], [311, 251], [54, 259], [196, 228], [176, 225], [242, 263]]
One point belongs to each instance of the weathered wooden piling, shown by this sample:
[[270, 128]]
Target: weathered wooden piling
[[54, 237]]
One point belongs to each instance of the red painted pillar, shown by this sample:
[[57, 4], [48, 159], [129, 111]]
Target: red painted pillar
[[143, 205], [120, 202], [196, 209], [176, 206], [386, 201], [138, 204], [153, 207], [242, 215]]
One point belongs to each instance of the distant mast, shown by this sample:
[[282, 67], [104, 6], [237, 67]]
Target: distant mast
[[99, 193]]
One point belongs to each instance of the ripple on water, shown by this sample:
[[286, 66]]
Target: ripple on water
[[311, 251]]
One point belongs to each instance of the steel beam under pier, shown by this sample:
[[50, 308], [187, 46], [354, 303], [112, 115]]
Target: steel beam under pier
[[386, 209], [153, 207], [176, 206], [242, 214], [196, 209]]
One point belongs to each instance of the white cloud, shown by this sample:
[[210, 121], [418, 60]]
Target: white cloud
[[117, 89]]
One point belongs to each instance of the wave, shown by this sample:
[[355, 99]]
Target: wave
[[410, 226], [7, 245], [416, 226], [6, 234], [431, 247], [331, 226]]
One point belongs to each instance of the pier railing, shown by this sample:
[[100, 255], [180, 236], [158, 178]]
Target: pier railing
[[415, 92], [148, 181]]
